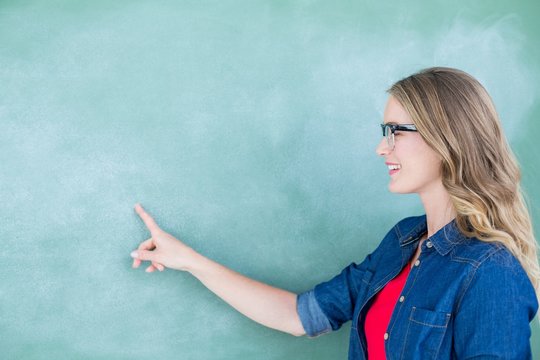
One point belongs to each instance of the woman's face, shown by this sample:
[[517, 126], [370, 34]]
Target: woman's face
[[419, 167]]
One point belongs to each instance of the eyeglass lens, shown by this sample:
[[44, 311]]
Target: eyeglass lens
[[389, 135]]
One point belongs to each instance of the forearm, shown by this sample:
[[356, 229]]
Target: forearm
[[262, 303], [267, 305]]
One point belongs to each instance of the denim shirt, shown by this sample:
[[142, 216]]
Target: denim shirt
[[464, 298]]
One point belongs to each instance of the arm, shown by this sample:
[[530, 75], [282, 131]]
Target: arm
[[267, 305]]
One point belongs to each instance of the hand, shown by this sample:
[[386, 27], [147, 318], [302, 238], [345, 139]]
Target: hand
[[162, 249]]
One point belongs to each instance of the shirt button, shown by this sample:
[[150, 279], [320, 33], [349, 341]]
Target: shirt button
[[417, 262], [429, 244], [402, 298], [385, 336]]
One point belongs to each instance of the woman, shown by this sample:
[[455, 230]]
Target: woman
[[458, 282]]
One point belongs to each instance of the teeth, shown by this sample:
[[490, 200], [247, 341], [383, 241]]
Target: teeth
[[394, 167]]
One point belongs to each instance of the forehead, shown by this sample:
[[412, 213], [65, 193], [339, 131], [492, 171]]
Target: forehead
[[394, 113]]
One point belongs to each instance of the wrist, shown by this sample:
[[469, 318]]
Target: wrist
[[194, 262]]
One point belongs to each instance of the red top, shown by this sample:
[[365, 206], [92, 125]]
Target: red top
[[378, 315]]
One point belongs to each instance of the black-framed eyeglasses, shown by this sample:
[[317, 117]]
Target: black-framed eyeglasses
[[389, 131]]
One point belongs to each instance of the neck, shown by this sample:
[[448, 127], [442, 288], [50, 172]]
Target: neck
[[439, 209]]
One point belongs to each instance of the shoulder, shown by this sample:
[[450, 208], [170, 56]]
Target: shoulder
[[497, 295], [485, 255], [495, 273], [489, 260], [495, 261]]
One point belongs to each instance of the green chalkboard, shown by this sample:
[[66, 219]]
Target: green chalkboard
[[247, 128]]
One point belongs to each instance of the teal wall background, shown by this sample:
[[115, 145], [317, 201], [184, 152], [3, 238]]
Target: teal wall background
[[247, 128]]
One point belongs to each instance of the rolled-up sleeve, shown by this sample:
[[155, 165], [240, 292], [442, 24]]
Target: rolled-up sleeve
[[313, 319], [330, 304]]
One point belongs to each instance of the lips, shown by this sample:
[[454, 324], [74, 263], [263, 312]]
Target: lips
[[393, 168]]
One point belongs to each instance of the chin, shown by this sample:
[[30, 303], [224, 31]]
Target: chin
[[396, 189]]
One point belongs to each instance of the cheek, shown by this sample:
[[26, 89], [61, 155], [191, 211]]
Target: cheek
[[431, 168], [417, 157], [432, 172], [424, 167], [429, 158]]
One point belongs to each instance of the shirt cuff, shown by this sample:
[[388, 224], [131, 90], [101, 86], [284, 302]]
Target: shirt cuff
[[313, 319]]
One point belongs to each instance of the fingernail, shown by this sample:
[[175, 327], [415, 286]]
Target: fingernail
[[134, 254]]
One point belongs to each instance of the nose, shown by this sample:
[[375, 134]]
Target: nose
[[383, 149]]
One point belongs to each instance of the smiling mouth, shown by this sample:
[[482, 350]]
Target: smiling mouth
[[393, 168]]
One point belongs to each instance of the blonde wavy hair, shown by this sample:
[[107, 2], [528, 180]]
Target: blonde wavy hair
[[456, 117]]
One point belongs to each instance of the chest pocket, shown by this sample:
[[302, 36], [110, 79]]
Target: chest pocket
[[425, 333]]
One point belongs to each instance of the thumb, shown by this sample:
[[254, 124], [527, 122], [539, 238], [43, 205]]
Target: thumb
[[143, 255]]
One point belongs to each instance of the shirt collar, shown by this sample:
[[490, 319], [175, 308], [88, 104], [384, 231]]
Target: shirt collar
[[443, 240]]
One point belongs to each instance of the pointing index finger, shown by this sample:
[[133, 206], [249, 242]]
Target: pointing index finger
[[146, 218]]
